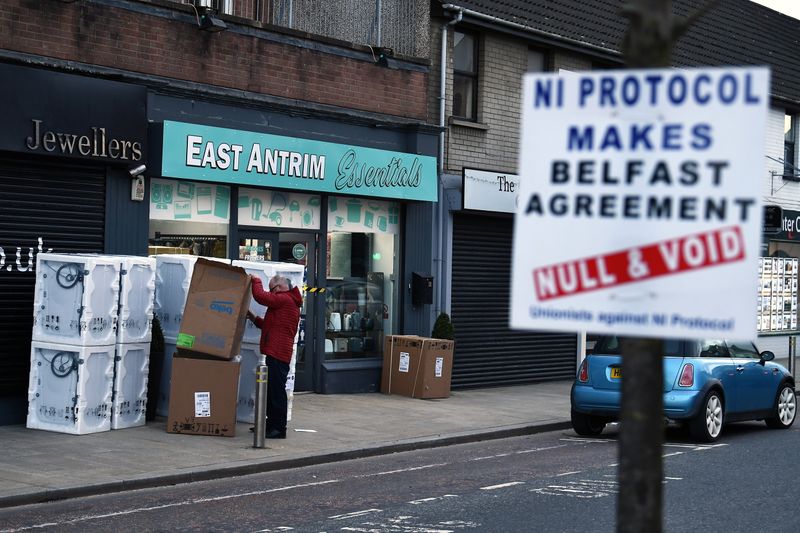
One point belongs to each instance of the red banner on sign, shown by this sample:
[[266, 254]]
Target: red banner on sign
[[640, 263]]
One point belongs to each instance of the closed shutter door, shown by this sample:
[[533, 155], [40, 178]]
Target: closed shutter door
[[487, 352], [65, 207]]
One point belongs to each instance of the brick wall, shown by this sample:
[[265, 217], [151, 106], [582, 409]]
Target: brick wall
[[106, 35]]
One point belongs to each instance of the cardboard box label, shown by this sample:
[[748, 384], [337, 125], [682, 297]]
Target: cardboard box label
[[184, 340], [439, 365], [405, 361], [202, 404]]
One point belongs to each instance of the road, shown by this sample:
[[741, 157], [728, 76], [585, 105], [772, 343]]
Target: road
[[547, 482]]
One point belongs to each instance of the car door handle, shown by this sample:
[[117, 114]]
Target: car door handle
[[740, 368]]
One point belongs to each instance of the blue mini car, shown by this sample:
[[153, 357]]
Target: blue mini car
[[707, 383]]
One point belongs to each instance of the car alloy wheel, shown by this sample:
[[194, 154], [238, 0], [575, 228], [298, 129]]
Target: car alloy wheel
[[707, 425], [586, 425], [785, 409]]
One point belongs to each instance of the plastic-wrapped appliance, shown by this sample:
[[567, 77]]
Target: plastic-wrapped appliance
[[136, 299], [129, 403], [173, 277], [162, 406], [264, 271], [246, 401], [70, 388], [76, 299]]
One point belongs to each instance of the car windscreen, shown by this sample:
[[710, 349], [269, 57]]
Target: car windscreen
[[610, 345]]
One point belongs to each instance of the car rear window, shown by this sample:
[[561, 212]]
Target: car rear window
[[610, 345]]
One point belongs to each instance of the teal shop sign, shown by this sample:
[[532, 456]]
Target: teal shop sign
[[207, 153]]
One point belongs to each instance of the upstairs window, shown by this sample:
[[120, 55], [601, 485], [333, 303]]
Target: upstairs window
[[465, 76], [790, 145]]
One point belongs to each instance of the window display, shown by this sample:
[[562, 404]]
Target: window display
[[360, 270], [777, 294]]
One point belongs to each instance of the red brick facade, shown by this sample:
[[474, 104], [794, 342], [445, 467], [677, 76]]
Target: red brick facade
[[114, 37]]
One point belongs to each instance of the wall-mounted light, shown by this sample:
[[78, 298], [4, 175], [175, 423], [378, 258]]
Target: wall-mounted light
[[381, 55], [205, 16], [137, 184]]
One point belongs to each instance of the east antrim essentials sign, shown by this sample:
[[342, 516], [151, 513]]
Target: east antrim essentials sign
[[640, 208], [208, 153]]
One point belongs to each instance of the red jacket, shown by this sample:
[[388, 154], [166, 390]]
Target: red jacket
[[279, 325]]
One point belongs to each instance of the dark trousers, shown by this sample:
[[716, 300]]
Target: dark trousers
[[276, 394]]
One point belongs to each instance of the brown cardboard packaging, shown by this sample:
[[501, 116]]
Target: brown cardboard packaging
[[215, 312], [203, 397], [419, 367]]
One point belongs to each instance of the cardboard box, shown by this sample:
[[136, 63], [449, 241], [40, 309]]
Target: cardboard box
[[203, 397], [419, 367], [216, 310]]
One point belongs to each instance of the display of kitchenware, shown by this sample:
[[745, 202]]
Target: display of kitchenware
[[340, 344], [335, 322], [328, 345]]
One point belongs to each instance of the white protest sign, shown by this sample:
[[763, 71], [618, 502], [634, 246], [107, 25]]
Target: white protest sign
[[640, 204]]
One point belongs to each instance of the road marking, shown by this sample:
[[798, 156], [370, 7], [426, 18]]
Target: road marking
[[433, 499], [673, 478], [542, 449], [672, 454], [568, 473], [354, 514], [194, 501], [592, 441], [503, 485], [401, 470], [586, 488]]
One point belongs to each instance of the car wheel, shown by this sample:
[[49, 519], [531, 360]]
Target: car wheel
[[785, 409], [587, 425], [707, 425]]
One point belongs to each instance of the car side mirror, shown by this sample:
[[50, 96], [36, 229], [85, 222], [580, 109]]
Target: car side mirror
[[766, 356]]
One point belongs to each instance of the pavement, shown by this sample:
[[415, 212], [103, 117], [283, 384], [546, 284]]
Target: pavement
[[38, 466]]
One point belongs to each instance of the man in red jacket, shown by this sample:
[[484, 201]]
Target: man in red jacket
[[278, 329]]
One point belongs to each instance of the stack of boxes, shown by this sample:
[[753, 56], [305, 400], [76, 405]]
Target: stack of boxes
[[250, 352], [418, 367], [205, 368], [89, 374]]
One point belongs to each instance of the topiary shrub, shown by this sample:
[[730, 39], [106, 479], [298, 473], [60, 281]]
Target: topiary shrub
[[443, 328]]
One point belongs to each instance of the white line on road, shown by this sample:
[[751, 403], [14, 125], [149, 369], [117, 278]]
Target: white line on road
[[593, 441], [354, 514], [672, 454], [433, 499], [542, 449], [401, 470], [568, 473], [503, 485]]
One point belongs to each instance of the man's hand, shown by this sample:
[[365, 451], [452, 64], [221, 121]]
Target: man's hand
[[250, 316]]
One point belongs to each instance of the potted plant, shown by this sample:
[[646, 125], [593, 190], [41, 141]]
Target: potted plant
[[443, 327]]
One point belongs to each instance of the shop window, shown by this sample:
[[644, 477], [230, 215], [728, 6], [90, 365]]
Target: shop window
[[361, 267], [790, 146], [465, 76], [776, 306], [188, 218]]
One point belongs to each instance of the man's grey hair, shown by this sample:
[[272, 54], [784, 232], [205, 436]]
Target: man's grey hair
[[277, 279]]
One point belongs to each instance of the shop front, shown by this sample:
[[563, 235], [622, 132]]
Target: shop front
[[488, 352], [777, 309], [331, 202], [65, 186]]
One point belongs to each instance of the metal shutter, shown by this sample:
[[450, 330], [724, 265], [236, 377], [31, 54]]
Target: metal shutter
[[487, 352], [65, 206]]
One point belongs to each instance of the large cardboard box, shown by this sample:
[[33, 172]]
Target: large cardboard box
[[419, 367], [203, 397], [216, 310]]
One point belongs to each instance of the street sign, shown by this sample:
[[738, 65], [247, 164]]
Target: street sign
[[640, 205]]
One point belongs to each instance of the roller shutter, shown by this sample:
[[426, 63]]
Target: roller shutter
[[487, 352], [64, 205]]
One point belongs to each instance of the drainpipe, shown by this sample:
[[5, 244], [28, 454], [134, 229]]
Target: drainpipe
[[442, 92]]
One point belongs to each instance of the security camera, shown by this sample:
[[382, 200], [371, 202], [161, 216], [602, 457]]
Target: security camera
[[135, 171]]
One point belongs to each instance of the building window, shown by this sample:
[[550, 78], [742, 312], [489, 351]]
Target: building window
[[465, 76], [790, 145]]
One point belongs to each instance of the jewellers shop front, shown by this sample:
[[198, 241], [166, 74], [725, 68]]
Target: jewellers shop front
[[67, 145], [351, 203]]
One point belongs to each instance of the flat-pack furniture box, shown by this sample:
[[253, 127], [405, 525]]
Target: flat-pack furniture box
[[419, 367], [203, 395], [216, 310]]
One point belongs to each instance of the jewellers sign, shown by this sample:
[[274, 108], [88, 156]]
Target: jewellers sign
[[640, 209], [207, 153], [56, 114]]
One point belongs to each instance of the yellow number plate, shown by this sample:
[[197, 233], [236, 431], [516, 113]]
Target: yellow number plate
[[616, 372]]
